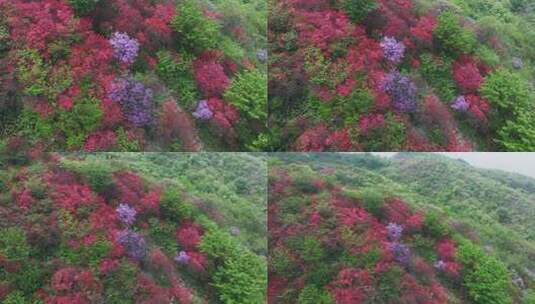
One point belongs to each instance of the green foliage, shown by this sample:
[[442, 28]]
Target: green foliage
[[178, 77], [357, 10], [33, 127], [195, 32], [529, 298], [13, 244], [485, 278], [86, 255], [437, 73], [241, 280], [390, 138], [80, 121], [518, 134], [313, 295], [83, 7], [435, 226], [126, 144], [505, 90], [452, 37], [311, 250], [248, 93], [372, 200], [98, 175], [163, 235], [240, 275], [173, 207], [28, 279], [389, 286], [280, 263], [39, 79], [120, 285]]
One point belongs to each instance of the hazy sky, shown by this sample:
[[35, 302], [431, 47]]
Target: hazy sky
[[523, 163]]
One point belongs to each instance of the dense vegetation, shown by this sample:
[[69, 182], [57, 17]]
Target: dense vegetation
[[141, 75], [415, 75], [132, 228], [420, 228]]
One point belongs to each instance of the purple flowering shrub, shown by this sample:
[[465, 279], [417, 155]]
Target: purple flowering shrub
[[133, 243], [203, 111], [402, 91], [395, 231], [460, 104], [135, 99], [126, 214], [125, 49], [392, 49]]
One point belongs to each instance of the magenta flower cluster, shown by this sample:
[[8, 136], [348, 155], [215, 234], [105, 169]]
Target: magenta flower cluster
[[135, 101], [460, 104], [126, 214], [125, 49], [402, 91], [203, 111], [392, 49]]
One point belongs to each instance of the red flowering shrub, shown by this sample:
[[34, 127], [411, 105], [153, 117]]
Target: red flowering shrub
[[100, 141], [446, 250], [312, 140], [211, 78], [467, 76], [175, 124], [423, 30], [351, 286], [225, 114], [72, 196], [189, 236]]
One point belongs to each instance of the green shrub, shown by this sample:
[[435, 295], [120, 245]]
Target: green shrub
[[178, 77], [518, 134], [390, 138], [372, 200], [313, 295], [240, 276], [280, 263], [28, 279], [97, 174], [435, 226], [163, 235], [195, 32], [33, 127], [357, 10], [13, 245], [437, 73], [529, 298], [120, 285], [485, 278], [248, 93], [505, 90], [83, 7], [311, 250], [241, 280], [452, 37], [80, 121], [126, 144], [172, 206]]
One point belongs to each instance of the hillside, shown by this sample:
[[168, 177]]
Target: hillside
[[404, 75], [416, 228], [132, 228], [133, 75]]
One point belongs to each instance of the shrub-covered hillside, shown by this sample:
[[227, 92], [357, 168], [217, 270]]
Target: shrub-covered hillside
[[416, 75], [141, 75], [362, 229], [108, 228]]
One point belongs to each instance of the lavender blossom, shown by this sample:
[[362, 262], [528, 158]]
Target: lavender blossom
[[203, 112], [133, 243], [182, 257], [401, 253], [235, 231], [402, 91], [440, 265], [518, 64], [392, 49], [135, 101], [394, 231], [460, 104], [262, 56], [126, 214], [124, 48]]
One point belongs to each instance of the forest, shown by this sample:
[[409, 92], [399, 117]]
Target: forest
[[181, 228], [133, 75], [414, 228], [403, 75]]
